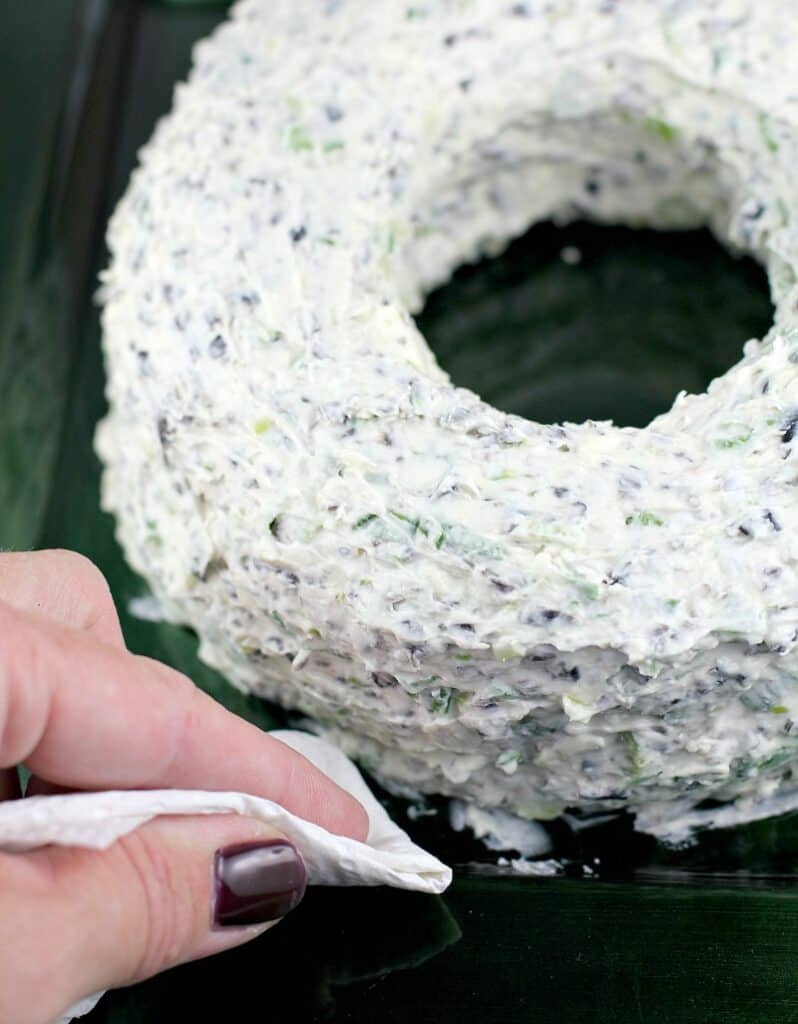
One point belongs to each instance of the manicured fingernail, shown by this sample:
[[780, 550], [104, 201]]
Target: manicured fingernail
[[256, 882]]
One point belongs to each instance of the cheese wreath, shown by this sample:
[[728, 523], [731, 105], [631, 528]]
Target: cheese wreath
[[529, 616]]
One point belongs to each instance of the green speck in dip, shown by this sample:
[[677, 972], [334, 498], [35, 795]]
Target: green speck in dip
[[767, 135], [645, 518], [732, 442], [661, 128], [298, 139]]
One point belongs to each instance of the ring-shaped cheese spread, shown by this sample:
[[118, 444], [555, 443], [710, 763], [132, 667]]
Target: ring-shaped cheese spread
[[534, 617]]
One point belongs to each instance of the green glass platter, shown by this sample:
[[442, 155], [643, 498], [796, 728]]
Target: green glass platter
[[569, 323]]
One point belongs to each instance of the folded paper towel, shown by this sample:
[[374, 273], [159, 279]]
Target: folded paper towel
[[387, 857]]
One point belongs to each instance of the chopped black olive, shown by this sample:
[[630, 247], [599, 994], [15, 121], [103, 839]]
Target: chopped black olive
[[217, 347], [789, 428]]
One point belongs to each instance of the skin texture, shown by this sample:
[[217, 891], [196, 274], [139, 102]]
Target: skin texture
[[84, 713]]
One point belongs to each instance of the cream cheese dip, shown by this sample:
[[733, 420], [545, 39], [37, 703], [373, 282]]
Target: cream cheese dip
[[530, 617]]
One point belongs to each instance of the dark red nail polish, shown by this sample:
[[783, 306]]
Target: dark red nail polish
[[256, 882]]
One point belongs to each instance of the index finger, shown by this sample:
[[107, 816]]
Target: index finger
[[88, 715]]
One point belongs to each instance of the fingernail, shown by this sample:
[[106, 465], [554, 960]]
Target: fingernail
[[256, 882]]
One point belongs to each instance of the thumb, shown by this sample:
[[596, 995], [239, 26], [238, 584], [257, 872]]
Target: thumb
[[74, 921]]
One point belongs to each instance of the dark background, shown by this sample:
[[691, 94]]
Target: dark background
[[707, 934]]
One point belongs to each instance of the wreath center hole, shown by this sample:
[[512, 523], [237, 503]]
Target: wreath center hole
[[593, 322]]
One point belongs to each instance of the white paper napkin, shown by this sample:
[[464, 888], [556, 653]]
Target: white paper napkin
[[388, 857]]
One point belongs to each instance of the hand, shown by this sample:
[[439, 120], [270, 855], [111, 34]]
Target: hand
[[83, 713]]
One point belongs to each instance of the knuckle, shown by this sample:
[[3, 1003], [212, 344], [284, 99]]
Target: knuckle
[[181, 685], [189, 706], [24, 702], [76, 564], [78, 568], [89, 584], [164, 913]]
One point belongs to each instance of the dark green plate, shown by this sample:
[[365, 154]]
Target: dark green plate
[[707, 934]]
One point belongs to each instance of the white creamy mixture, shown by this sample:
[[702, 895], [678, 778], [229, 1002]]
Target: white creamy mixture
[[531, 617]]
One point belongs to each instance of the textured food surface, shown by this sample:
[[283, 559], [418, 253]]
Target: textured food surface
[[532, 617]]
